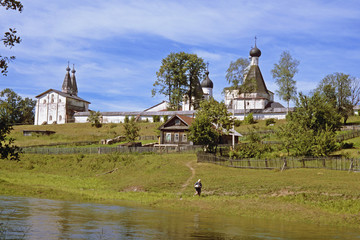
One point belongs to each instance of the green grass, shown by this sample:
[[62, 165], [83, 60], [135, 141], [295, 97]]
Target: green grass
[[304, 195], [76, 132]]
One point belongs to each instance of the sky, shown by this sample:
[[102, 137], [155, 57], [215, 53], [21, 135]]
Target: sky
[[117, 45]]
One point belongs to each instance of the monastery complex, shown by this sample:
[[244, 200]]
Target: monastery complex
[[65, 106]]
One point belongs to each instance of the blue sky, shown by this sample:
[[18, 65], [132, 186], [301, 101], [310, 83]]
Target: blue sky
[[117, 45]]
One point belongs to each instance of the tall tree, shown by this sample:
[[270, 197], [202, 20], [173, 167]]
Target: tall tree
[[235, 75], [284, 72], [345, 88], [10, 38], [212, 120], [178, 76], [310, 128], [16, 109]]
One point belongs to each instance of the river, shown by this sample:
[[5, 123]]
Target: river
[[32, 218]]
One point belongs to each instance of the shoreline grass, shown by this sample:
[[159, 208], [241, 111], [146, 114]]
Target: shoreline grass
[[302, 195]]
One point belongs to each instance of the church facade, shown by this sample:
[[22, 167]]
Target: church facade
[[53, 106]]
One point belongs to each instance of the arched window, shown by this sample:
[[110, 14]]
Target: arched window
[[60, 118], [44, 101], [50, 118], [52, 98]]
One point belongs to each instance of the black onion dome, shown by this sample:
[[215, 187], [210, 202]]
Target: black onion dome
[[207, 83], [255, 52]]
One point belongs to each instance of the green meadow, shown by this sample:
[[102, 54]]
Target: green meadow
[[166, 181]]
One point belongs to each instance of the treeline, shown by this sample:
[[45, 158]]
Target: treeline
[[15, 109]]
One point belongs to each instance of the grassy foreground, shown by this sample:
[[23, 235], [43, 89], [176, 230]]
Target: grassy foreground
[[166, 181]]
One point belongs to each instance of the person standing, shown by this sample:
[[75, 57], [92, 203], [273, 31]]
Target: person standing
[[198, 187]]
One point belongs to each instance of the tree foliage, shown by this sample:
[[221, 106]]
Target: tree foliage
[[212, 120], [310, 128], [131, 130], [343, 90], [16, 109], [7, 148], [235, 74], [95, 119], [10, 38], [180, 75], [284, 72]]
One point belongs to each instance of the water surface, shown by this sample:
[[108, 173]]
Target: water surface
[[49, 219]]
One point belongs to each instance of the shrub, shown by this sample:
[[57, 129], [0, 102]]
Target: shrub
[[347, 145], [270, 121], [156, 118], [165, 118], [249, 119], [237, 122], [95, 119]]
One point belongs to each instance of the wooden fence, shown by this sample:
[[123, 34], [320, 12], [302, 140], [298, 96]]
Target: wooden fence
[[334, 163], [106, 150], [348, 135]]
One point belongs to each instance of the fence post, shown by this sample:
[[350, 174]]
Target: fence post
[[285, 164], [351, 165], [266, 163]]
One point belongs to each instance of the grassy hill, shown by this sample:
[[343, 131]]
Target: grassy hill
[[75, 132], [313, 196]]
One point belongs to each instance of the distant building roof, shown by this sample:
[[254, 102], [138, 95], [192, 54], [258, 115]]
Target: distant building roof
[[62, 94], [163, 102], [274, 105]]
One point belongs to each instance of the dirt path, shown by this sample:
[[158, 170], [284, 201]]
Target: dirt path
[[188, 164]]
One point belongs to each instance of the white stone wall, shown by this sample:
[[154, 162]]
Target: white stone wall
[[251, 104], [263, 116]]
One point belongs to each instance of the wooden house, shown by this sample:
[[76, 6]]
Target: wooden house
[[176, 130]]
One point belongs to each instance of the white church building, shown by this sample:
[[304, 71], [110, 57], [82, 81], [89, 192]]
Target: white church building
[[53, 106], [257, 100]]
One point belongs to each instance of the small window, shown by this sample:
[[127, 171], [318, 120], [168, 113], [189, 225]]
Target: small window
[[248, 103], [176, 137], [50, 118], [168, 137], [60, 118], [59, 99], [44, 101], [177, 122], [184, 137], [52, 98]]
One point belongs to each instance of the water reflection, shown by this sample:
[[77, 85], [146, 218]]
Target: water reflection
[[48, 219]]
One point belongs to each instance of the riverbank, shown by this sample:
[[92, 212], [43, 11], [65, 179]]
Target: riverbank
[[314, 196]]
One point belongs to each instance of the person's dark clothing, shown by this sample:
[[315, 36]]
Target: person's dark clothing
[[198, 187]]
